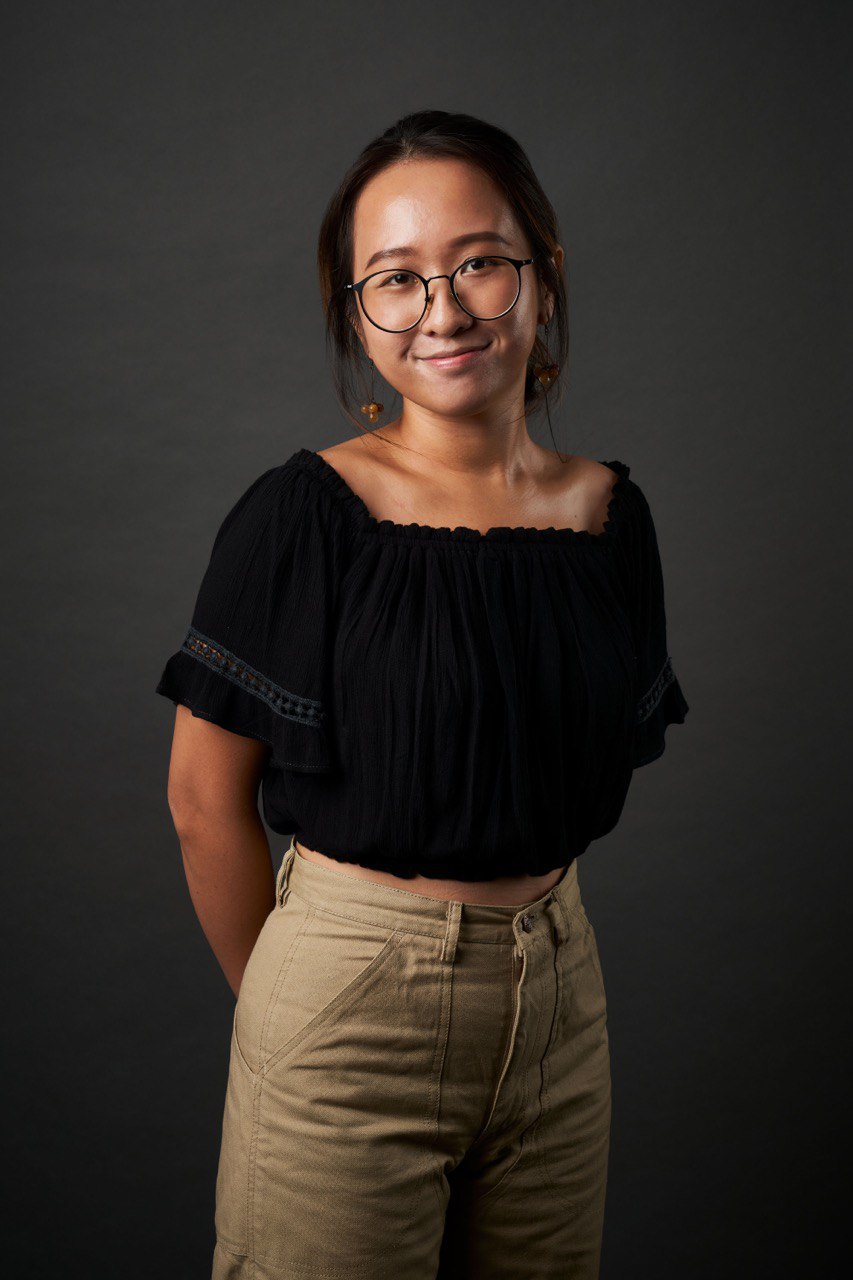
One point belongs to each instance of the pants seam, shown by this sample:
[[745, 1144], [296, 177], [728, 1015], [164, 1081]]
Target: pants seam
[[257, 1089], [530, 1127], [546, 1069], [442, 1037]]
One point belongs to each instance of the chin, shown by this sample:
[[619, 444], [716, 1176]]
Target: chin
[[453, 406]]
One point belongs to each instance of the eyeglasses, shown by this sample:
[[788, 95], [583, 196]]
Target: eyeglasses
[[485, 288]]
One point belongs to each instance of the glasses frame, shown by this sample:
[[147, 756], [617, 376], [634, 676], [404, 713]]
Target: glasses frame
[[426, 281]]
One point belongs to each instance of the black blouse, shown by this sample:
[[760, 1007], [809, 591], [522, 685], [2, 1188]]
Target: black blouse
[[443, 702]]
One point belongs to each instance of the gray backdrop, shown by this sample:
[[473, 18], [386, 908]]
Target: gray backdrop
[[166, 169]]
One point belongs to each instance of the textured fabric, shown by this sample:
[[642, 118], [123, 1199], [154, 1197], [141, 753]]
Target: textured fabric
[[417, 1090], [437, 701]]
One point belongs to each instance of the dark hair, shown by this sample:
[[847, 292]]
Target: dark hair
[[432, 134]]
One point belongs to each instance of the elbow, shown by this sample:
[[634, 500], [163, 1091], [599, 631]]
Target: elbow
[[199, 810], [190, 792], [186, 807]]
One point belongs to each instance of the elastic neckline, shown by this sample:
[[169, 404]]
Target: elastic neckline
[[334, 481]]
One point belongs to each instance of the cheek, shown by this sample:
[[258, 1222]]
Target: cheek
[[514, 336], [389, 352], [520, 333]]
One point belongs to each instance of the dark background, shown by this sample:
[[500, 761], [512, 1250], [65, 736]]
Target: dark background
[[166, 169]]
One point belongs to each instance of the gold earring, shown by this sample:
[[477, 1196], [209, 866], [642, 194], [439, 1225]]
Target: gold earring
[[373, 409], [546, 373]]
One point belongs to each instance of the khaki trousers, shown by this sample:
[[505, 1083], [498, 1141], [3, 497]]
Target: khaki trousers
[[417, 1090]]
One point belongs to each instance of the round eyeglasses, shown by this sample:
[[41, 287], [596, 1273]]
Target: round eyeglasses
[[485, 288]]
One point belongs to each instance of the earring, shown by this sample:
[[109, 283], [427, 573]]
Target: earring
[[373, 409], [546, 373]]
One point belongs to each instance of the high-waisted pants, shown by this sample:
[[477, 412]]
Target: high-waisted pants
[[418, 1089]]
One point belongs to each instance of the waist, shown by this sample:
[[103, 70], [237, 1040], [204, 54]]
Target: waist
[[502, 891]]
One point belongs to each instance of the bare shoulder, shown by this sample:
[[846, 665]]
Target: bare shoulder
[[590, 471], [585, 487], [350, 452], [366, 468], [599, 478], [355, 459]]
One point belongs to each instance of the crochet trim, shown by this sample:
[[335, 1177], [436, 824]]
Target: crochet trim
[[650, 699], [323, 470], [289, 705]]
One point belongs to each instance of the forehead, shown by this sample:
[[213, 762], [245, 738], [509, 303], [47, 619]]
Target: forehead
[[425, 203]]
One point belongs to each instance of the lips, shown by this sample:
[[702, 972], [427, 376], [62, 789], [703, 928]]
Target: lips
[[447, 355], [450, 358]]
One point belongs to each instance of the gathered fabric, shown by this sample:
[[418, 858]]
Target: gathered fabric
[[439, 702]]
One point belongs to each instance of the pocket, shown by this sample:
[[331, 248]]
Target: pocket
[[581, 969], [330, 962], [594, 953], [266, 970], [596, 957]]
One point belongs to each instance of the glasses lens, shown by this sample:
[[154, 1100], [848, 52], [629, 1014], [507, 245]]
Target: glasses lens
[[394, 299], [487, 287]]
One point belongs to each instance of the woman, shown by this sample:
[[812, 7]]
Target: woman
[[442, 650]]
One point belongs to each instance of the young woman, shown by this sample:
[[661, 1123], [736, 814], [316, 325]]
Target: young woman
[[441, 648]]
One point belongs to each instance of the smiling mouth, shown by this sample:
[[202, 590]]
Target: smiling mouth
[[456, 357]]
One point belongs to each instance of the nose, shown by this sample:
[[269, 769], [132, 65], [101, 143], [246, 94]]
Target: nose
[[442, 311]]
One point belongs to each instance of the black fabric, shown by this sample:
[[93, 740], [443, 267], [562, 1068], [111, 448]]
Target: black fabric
[[660, 700], [437, 701], [255, 656]]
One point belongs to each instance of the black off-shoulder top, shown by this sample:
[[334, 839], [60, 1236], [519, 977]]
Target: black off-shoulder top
[[443, 702]]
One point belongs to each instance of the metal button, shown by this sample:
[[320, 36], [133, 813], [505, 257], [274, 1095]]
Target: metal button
[[527, 923]]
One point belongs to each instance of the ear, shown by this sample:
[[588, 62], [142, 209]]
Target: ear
[[356, 324], [546, 310]]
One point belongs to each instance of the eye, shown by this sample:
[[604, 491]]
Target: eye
[[476, 266], [393, 276]]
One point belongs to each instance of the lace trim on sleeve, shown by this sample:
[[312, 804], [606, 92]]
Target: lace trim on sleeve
[[289, 705], [652, 697]]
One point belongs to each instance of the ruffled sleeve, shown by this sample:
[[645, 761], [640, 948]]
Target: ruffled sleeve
[[255, 657], [660, 700]]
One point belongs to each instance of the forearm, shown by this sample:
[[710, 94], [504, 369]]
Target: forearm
[[231, 882]]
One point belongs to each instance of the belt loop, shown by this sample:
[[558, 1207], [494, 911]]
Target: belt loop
[[283, 877], [560, 920], [451, 934]]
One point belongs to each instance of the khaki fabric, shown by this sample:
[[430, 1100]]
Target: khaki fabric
[[417, 1090]]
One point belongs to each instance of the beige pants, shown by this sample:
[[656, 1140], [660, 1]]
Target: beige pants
[[418, 1089]]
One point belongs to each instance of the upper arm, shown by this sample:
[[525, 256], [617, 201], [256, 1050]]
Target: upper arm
[[212, 771]]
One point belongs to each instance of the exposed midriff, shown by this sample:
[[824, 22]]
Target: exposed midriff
[[500, 891]]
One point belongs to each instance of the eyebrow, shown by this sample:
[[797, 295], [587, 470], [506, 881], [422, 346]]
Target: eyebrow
[[404, 250]]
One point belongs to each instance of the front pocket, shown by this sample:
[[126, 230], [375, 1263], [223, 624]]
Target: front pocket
[[579, 912], [265, 974], [581, 971], [334, 959], [596, 958]]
